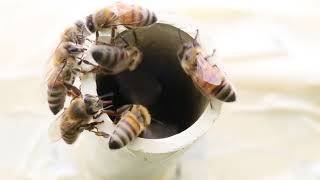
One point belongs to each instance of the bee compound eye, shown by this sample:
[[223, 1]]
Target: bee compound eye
[[73, 49]]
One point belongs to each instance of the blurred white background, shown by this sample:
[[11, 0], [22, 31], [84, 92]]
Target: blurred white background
[[270, 49]]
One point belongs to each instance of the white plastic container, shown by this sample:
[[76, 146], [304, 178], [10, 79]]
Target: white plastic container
[[144, 159]]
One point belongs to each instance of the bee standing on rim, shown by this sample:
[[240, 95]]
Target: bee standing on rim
[[76, 118], [209, 79], [62, 74], [132, 16], [133, 121], [115, 59], [101, 19]]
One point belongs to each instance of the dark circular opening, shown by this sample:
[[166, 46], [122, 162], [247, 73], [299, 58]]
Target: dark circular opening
[[159, 83]]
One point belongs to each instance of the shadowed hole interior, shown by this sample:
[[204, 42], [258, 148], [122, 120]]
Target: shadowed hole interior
[[159, 83]]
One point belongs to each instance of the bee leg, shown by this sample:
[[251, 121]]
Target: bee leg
[[72, 90], [97, 36], [91, 127], [103, 43], [126, 44], [211, 55], [97, 115], [87, 39], [195, 42], [96, 69], [211, 105], [113, 34], [108, 112], [135, 36], [100, 133]]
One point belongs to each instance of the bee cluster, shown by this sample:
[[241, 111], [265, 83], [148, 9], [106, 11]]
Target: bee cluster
[[111, 59]]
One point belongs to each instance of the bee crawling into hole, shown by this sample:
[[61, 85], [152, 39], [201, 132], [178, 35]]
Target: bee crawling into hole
[[133, 121], [113, 59], [76, 118], [211, 81]]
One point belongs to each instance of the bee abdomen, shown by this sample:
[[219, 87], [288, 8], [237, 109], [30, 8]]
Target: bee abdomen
[[127, 129], [147, 17], [56, 98], [110, 57], [225, 92]]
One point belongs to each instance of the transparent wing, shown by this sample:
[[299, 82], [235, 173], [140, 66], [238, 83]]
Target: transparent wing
[[47, 71], [49, 78], [48, 63], [54, 132], [123, 8], [207, 72], [124, 13]]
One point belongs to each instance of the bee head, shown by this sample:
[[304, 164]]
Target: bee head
[[73, 49], [93, 104], [77, 108]]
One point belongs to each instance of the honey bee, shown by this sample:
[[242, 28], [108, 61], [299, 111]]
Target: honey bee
[[76, 118], [209, 79], [132, 16], [134, 120], [62, 74], [66, 51], [115, 59], [100, 20]]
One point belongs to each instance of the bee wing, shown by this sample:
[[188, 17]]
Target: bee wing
[[54, 132], [122, 8], [207, 72]]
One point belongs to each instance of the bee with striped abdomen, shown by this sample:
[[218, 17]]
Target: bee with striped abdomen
[[115, 59], [60, 84], [209, 79], [63, 71], [100, 20], [132, 16], [133, 121], [76, 118]]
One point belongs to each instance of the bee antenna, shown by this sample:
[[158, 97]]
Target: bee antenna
[[179, 32], [155, 120], [195, 43], [106, 102], [125, 41], [106, 95], [108, 107], [135, 36]]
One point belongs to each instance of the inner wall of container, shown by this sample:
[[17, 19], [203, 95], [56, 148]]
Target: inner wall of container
[[159, 83]]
